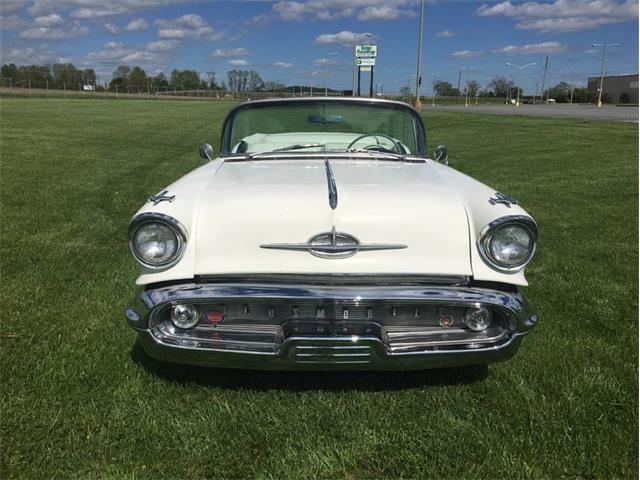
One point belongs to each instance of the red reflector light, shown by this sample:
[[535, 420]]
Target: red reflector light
[[215, 317]]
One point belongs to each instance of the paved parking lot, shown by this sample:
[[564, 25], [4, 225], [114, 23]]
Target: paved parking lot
[[587, 112]]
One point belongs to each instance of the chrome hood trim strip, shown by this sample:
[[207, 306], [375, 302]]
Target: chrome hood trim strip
[[331, 183]]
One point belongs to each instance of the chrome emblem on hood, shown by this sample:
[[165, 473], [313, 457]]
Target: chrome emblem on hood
[[333, 245]]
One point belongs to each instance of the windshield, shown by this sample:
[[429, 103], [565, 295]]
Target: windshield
[[323, 126]]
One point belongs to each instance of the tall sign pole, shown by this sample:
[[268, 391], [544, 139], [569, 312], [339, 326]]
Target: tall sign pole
[[418, 103], [371, 84]]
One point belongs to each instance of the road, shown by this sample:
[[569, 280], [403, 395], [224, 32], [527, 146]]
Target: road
[[586, 112]]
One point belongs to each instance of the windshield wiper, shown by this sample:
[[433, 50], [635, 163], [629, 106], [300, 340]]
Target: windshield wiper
[[298, 146], [383, 151]]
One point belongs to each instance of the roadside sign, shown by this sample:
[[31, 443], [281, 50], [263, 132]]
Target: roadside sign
[[87, 88], [366, 51], [365, 69], [366, 62]]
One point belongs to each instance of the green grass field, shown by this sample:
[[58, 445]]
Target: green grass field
[[79, 402]]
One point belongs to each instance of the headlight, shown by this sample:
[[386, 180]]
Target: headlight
[[156, 240], [508, 243]]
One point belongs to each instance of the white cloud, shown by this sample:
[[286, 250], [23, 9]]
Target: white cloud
[[187, 26], [345, 37], [115, 53], [282, 65], [231, 52], [111, 28], [325, 61], [52, 20], [263, 19], [564, 15], [162, 45], [11, 22], [239, 62], [446, 34], [30, 55], [536, 48], [335, 9], [54, 33], [93, 8], [11, 6], [465, 54], [383, 12], [84, 13], [137, 25]]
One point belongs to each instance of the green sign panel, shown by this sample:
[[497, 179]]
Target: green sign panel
[[366, 51]]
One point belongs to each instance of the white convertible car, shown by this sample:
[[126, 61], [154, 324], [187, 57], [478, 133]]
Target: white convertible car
[[324, 237]]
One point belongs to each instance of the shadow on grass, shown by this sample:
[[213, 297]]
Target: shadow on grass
[[236, 379]]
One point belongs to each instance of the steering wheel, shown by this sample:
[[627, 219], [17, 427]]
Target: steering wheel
[[397, 146]]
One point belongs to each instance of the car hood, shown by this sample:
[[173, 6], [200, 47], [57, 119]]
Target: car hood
[[252, 203]]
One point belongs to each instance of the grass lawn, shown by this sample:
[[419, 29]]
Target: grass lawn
[[77, 401]]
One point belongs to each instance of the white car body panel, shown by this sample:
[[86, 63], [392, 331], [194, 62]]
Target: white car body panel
[[229, 209]]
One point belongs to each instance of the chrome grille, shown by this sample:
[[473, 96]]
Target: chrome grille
[[263, 313], [317, 331], [312, 353]]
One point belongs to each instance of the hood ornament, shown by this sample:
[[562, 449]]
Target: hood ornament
[[333, 245], [161, 197], [503, 199]]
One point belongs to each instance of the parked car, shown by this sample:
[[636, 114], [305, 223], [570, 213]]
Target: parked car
[[324, 237]]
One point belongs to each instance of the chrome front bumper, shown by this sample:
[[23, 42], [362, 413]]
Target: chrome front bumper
[[304, 327]]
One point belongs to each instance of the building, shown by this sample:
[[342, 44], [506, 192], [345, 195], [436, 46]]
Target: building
[[616, 88]]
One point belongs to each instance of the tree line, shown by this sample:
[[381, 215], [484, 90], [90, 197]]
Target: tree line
[[133, 79], [502, 87], [57, 75]]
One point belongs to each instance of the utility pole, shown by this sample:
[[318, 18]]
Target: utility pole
[[459, 78], [418, 103], [544, 77], [571, 100], [604, 52]]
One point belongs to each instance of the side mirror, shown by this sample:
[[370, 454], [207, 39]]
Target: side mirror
[[441, 154], [206, 151]]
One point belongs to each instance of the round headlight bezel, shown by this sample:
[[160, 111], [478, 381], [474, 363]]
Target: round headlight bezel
[[165, 220], [486, 235]]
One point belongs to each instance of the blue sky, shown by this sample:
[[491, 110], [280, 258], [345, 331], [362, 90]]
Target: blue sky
[[289, 41]]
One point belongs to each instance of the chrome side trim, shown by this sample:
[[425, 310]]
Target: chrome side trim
[[151, 217], [482, 242], [331, 184]]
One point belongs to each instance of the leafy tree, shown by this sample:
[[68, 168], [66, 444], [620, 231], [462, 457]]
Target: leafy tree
[[211, 77], [89, 76], [138, 77], [185, 79], [473, 87], [121, 74], [501, 86], [9, 70], [65, 75], [255, 81], [160, 82], [445, 89]]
